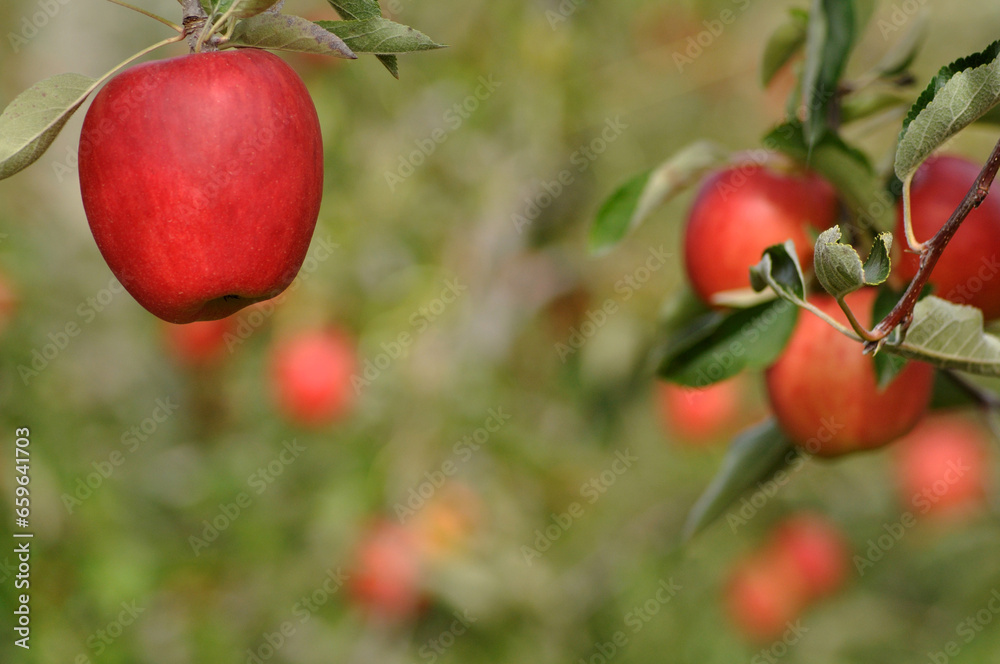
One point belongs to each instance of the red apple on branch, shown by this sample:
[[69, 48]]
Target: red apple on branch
[[201, 178]]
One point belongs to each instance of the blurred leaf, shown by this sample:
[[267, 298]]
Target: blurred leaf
[[754, 456], [949, 392], [717, 346], [901, 54], [359, 10], [631, 203], [839, 268], [784, 43], [36, 116], [281, 32], [829, 40], [864, 105], [848, 169], [379, 35], [957, 96], [246, 8]]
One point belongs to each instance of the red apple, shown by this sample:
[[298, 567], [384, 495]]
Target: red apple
[[8, 301], [699, 415], [311, 375], [824, 393], [968, 271], [741, 211], [813, 548], [762, 597], [386, 574], [201, 178], [942, 467], [198, 344]]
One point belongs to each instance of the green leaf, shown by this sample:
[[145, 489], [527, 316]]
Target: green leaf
[[631, 203], [866, 104], [950, 336], [753, 458], [246, 8], [718, 346], [281, 32], [957, 96], [902, 53], [829, 40], [359, 10], [847, 169], [839, 268], [379, 35], [779, 268], [784, 43], [36, 116]]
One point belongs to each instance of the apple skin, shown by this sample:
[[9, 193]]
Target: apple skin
[[201, 178], [968, 271], [741, 211], [699, 416], [385, 580], [813, 548], [311, 376], [942, 467], [824, 393]]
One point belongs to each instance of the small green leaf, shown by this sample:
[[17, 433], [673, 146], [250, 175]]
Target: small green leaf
[[839, 268], [379, 35], [957, 96], [950, 336], [784, 43], [245, 9], [36, 116], [753, 458], [359, 10], [281, 32], [720, 346], [830, 37], [631, 203], [902, 53], [779, 268]]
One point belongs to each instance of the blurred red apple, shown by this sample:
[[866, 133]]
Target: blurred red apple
[[700, 415], [198, 344], [968, 271], [8, 301], [814, 548], [386, 574], [201, 178], [943, 466], [741, 211], [762, 597], [311, 376], [823, 389]]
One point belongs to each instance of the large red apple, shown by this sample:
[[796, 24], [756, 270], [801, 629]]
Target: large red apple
[[741, 211], [824, 392], [201, 178], [968, 271], [943, 465], [311, 375]]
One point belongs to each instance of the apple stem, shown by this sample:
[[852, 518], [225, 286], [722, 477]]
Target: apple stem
[[859, 329], [932, 249], [911, 239], [149, 14], [206, 34]]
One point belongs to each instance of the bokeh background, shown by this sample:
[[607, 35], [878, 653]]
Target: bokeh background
[[471, 212]]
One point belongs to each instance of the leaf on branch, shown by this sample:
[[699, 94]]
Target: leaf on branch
[[957, 96], [950, 336], [839, 267], [716, 346], [36, 116], [784, 43], [753, 458], [246, 8], [779, 268], [635, 200], [359, 10], [281, 32], [829, 39], [379, 35], [847, 169]]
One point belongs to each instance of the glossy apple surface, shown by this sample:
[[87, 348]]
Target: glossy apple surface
[[823, 390], [741, 211], [311, 376], [201, 178], [968, 271]]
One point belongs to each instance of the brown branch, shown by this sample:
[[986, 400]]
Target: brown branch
[[903, 311]]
